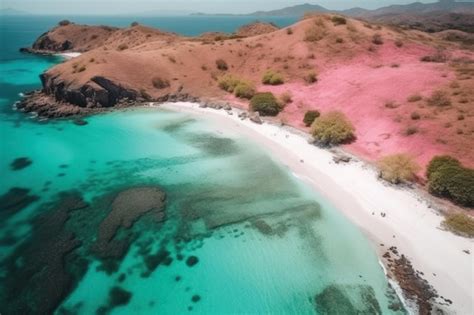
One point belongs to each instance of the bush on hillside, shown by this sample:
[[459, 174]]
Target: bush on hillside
[[332, 128], [64, 22], [134, 24], [439, 99], [314, 33], [448, 178], [244, 89], [438, 57], [460, 223], [311, 77], [122, 47], [241, 88], [272, 78], [310, 116], [160, 83], [377, 39], [221, 65], [265, 104], [338, 20], [398, 168], [440, 161]]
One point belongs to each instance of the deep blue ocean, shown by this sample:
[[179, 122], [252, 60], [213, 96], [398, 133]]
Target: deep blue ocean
[[238, 234]]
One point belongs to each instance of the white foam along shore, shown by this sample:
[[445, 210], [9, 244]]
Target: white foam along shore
[[410, 223], [69, 55]]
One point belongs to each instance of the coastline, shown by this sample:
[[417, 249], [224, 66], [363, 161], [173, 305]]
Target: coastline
[[410, 225]]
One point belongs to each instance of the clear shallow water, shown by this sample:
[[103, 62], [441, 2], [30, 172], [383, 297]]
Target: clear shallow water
[[264, 243]]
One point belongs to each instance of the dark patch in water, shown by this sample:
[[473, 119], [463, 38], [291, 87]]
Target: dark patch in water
[[122, 277], [334, 300], [162, 257], [79, 122], [196, 298], [127, 207], [117, 297], [20, 163], [61, 174], [15, 200], [177, 278], [176, 126], [213, 145], [63, 166], [35, 279], [191, 261]]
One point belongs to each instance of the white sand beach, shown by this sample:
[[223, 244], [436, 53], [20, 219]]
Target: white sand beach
[[410, 223]]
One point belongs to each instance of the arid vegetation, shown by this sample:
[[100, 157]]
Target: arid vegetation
[[398, 168], [241, 88], [332, 128], [265, 104], [460, 223], [310, 116], [449, 179], [272, 78]]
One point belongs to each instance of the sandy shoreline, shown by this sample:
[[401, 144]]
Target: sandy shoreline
[[410, 224]]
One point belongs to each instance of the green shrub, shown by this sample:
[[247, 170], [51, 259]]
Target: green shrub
[[160, 83], [241, 88], [310, 116], [289, 31], [398, 168], [460, 223], [265, 104], [244, 90], [228, 82], [272, 78], [338, 20], [221, 64], [448, 178], [438, 162], [439, 99], [82, 69], [134, 24], [332, 128]]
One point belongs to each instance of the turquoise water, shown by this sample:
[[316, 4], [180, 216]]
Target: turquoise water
[[262, 242]]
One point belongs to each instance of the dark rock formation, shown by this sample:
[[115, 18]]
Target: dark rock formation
[[127, 207], [39, 283], [15, 200], [20, 163]]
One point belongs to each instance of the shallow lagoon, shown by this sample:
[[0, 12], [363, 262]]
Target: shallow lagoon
[[240, 233]]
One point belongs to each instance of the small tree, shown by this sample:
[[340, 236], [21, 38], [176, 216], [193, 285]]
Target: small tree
[[448, 178], [244, 90], [265, 104], [272, 78], [398, 168], [310, 116], [332, 128]]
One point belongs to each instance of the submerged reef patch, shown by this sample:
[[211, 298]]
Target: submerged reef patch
[[20, 163]]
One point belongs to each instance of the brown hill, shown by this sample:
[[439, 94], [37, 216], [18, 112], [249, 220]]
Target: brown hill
[[370, 72]]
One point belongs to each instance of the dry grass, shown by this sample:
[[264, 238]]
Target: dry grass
[[398, 168], [460, 223]]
